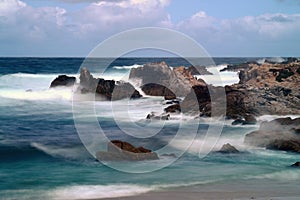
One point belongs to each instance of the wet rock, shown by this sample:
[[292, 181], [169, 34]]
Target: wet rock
[[152, 76], [249, 120], [153, 116], [173, 109], [285, 145], [63, 80], [109, 89], [296, 164], [154, 89], [228, 148], [118, 150], [278, 134]]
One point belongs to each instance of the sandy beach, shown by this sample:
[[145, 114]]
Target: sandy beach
[[242, 190]]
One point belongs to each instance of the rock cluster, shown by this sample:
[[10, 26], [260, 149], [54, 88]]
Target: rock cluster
[[109, 89], [278, 134], [159, 79], [118, 150]]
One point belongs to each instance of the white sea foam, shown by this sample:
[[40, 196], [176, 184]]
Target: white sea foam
[[127, 67], [220, 78], [272, 117], [98, 191], [56, 151]]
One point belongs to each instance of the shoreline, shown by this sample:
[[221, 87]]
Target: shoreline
[[242, 190]]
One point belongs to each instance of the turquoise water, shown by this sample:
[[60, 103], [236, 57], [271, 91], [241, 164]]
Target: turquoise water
[[42, 156]]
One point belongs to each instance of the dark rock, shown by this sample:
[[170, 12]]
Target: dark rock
[[29, 90], [173, 108], [154, 89], [285, 145], [237, 122], [249, 120], [228, 148], [296, 164], [109, 89], [198, 70], [152, 116], [123, 151], [278, 134], [152, 76], [63, 80]]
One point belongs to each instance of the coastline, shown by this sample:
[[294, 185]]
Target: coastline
[[242, 190]]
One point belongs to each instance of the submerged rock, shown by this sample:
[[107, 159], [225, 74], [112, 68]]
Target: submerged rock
[[173, 108], [118, 150], [297, 164], [228, 148], [153, 116], [278, 134], [63, 80]]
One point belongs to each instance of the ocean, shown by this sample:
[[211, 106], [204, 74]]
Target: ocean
[[42, 155]]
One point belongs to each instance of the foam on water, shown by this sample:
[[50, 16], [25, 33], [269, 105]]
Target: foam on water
[[63, 152], [98, 191], [220, 78], [127, 67]]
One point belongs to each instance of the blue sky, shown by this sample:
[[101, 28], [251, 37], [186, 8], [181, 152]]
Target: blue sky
[[222, 27]]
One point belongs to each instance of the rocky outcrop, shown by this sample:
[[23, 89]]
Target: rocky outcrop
[[160, 79], [228, 148], [109, 89], [198, 70], [63, 80], [123, 151], [278, 134], [154, 89]]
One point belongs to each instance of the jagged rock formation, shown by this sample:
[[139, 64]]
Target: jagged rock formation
[[278, 134], [63, 80], [123, 151], [109, 89], [259, 92], [158, 79]]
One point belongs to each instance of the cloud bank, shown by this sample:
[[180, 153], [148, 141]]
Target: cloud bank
[[53, 31]]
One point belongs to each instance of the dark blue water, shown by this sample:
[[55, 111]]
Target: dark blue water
[[42, 156]]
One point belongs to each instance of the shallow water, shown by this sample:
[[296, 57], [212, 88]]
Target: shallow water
[[41, 153]]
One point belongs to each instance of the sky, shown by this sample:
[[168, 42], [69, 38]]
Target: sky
[[225, 28]]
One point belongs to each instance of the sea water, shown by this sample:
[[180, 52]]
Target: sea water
[[43, 157]]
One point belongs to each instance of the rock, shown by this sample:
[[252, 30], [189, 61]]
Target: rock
[[152, 116], [179, 81], [123, 151], [277, 134], [173, 109], [154, 89], [63, 80], [228, 148], [285, 145], [296, 164], [109, 89], [198, 70], [238, 121], [249, 120], [29, 90]]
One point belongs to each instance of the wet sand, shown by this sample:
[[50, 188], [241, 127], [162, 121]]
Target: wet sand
[[242, 190]]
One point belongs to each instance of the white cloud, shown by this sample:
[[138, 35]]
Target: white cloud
[[53, 30]]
